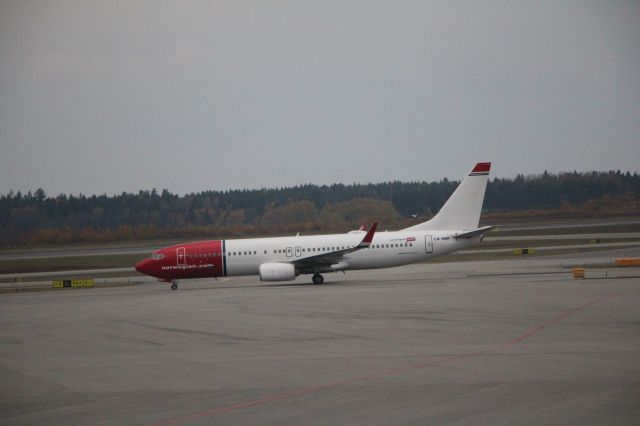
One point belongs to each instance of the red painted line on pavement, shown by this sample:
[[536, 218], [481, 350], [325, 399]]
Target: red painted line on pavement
[[388, 372], [563, 315], [310, 389]]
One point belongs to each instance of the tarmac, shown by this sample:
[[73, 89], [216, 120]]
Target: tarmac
[[464, 343]]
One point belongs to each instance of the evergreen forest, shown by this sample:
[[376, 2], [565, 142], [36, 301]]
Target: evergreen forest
[[36, 218]]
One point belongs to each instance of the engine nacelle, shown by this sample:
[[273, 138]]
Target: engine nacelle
[[277, 272]]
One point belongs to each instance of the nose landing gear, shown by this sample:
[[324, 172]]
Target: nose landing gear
[[317, 279], [174, 285]]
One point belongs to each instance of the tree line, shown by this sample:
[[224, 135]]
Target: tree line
[[36, 218]]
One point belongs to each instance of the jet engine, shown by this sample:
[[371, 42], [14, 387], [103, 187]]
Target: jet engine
[[277, 272]]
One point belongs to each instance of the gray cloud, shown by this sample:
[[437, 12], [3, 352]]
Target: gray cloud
[[116, 96]]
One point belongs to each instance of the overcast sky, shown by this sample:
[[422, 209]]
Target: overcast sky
[[109, 96]]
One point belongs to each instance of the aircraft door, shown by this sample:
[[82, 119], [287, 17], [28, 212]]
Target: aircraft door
[[428, 243], [289, 252], [298, 251], [181, 256]]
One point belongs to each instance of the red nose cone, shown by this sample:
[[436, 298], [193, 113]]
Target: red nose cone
[[144, 266]]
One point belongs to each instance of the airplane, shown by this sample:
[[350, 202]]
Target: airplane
[[284, 258]]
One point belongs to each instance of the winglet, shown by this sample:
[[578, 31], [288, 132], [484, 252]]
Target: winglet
[[366, 241]]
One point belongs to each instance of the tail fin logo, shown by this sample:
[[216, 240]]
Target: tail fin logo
[[481, 169]]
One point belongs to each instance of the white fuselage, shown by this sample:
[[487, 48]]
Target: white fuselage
[[244, 257]]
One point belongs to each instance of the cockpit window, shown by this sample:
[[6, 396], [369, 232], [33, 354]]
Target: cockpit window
[[157, 256]]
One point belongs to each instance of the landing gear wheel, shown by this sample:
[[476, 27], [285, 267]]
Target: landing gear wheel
[[174, 286], [317, 279]]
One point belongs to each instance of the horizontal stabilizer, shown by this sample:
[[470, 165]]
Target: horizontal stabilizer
[[475, 232]]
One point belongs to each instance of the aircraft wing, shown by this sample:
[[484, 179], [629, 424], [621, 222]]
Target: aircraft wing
[[333, 257], [475, 232]]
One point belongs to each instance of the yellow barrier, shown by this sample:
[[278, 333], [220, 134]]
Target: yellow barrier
[[628, 262], [521, 251], [72, 283], [578, 273], [596, 241]]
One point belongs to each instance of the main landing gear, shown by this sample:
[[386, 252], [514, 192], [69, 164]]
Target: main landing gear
[[317, 279], [174, 285]]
